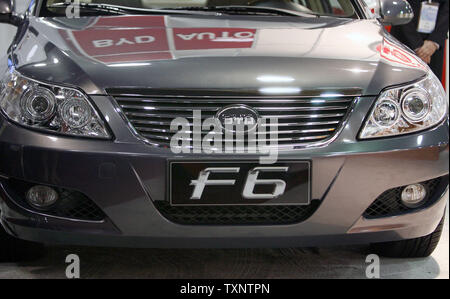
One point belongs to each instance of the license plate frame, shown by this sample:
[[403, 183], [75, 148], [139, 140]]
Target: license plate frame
[[297, 193]]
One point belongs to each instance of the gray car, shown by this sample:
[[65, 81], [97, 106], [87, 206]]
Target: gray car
[[219, 123]]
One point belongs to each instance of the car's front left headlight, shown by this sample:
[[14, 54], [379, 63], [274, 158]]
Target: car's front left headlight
[[407, 109], [49, 107]]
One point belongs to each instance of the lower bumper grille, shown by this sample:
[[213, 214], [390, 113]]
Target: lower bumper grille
[[389, 203], [236, 215]]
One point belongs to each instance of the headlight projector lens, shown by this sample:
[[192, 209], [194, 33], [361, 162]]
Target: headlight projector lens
[[76, 114], [42, 197], [38, 104], [416, 105], [413, 196], [386, 113]]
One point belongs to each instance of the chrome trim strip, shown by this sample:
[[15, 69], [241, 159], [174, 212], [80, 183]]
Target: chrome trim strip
[[160, 115], [242, 140], [302, 124], [234, 100], [299, 124], [190, 116], [329, 115], [215, 109], [238, 95], [165, 131]]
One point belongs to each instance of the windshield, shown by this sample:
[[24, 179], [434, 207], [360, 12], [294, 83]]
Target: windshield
[[338, 8]]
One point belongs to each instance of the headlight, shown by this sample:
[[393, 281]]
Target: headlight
[[49, 107], [407, 109]]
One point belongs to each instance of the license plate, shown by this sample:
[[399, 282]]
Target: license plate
[[194, 183]]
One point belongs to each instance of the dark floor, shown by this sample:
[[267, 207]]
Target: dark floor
[[338, 262]]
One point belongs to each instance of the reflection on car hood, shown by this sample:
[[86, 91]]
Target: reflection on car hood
[[255, 55]]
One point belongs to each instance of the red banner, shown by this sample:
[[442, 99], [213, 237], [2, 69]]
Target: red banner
[[145, 38]]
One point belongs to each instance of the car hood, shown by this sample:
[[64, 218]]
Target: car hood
[[243, 55]]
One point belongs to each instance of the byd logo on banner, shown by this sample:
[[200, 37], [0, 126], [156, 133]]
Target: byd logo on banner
[[109, 45], [98, 42]]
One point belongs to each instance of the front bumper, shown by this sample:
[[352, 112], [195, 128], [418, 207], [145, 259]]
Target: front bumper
[[125, 176]]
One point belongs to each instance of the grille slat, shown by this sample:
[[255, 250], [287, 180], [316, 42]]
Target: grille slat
[[324, 108], [281, 124], [167, 131], [226, 101], [244, 140], [216, 109], [299, 121], [295, 116], [162, 115], [165, 123], [169, 108], [204, 115], [303, 124]]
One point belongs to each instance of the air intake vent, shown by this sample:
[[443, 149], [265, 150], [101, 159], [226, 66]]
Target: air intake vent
[[237, 215]]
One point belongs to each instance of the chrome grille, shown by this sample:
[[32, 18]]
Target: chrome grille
[[300, 121]]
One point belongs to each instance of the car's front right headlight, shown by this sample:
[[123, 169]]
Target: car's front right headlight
[[49, 107], [407, 109]]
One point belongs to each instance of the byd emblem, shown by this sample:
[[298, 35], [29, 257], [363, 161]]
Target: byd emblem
[[238, 118]]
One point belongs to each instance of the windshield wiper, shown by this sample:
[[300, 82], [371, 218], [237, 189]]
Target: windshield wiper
[[114, 9], [90, 7], [230, 9], [243, 9]]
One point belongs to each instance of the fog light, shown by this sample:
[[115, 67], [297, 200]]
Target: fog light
[[413, 196], [42, 197]]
